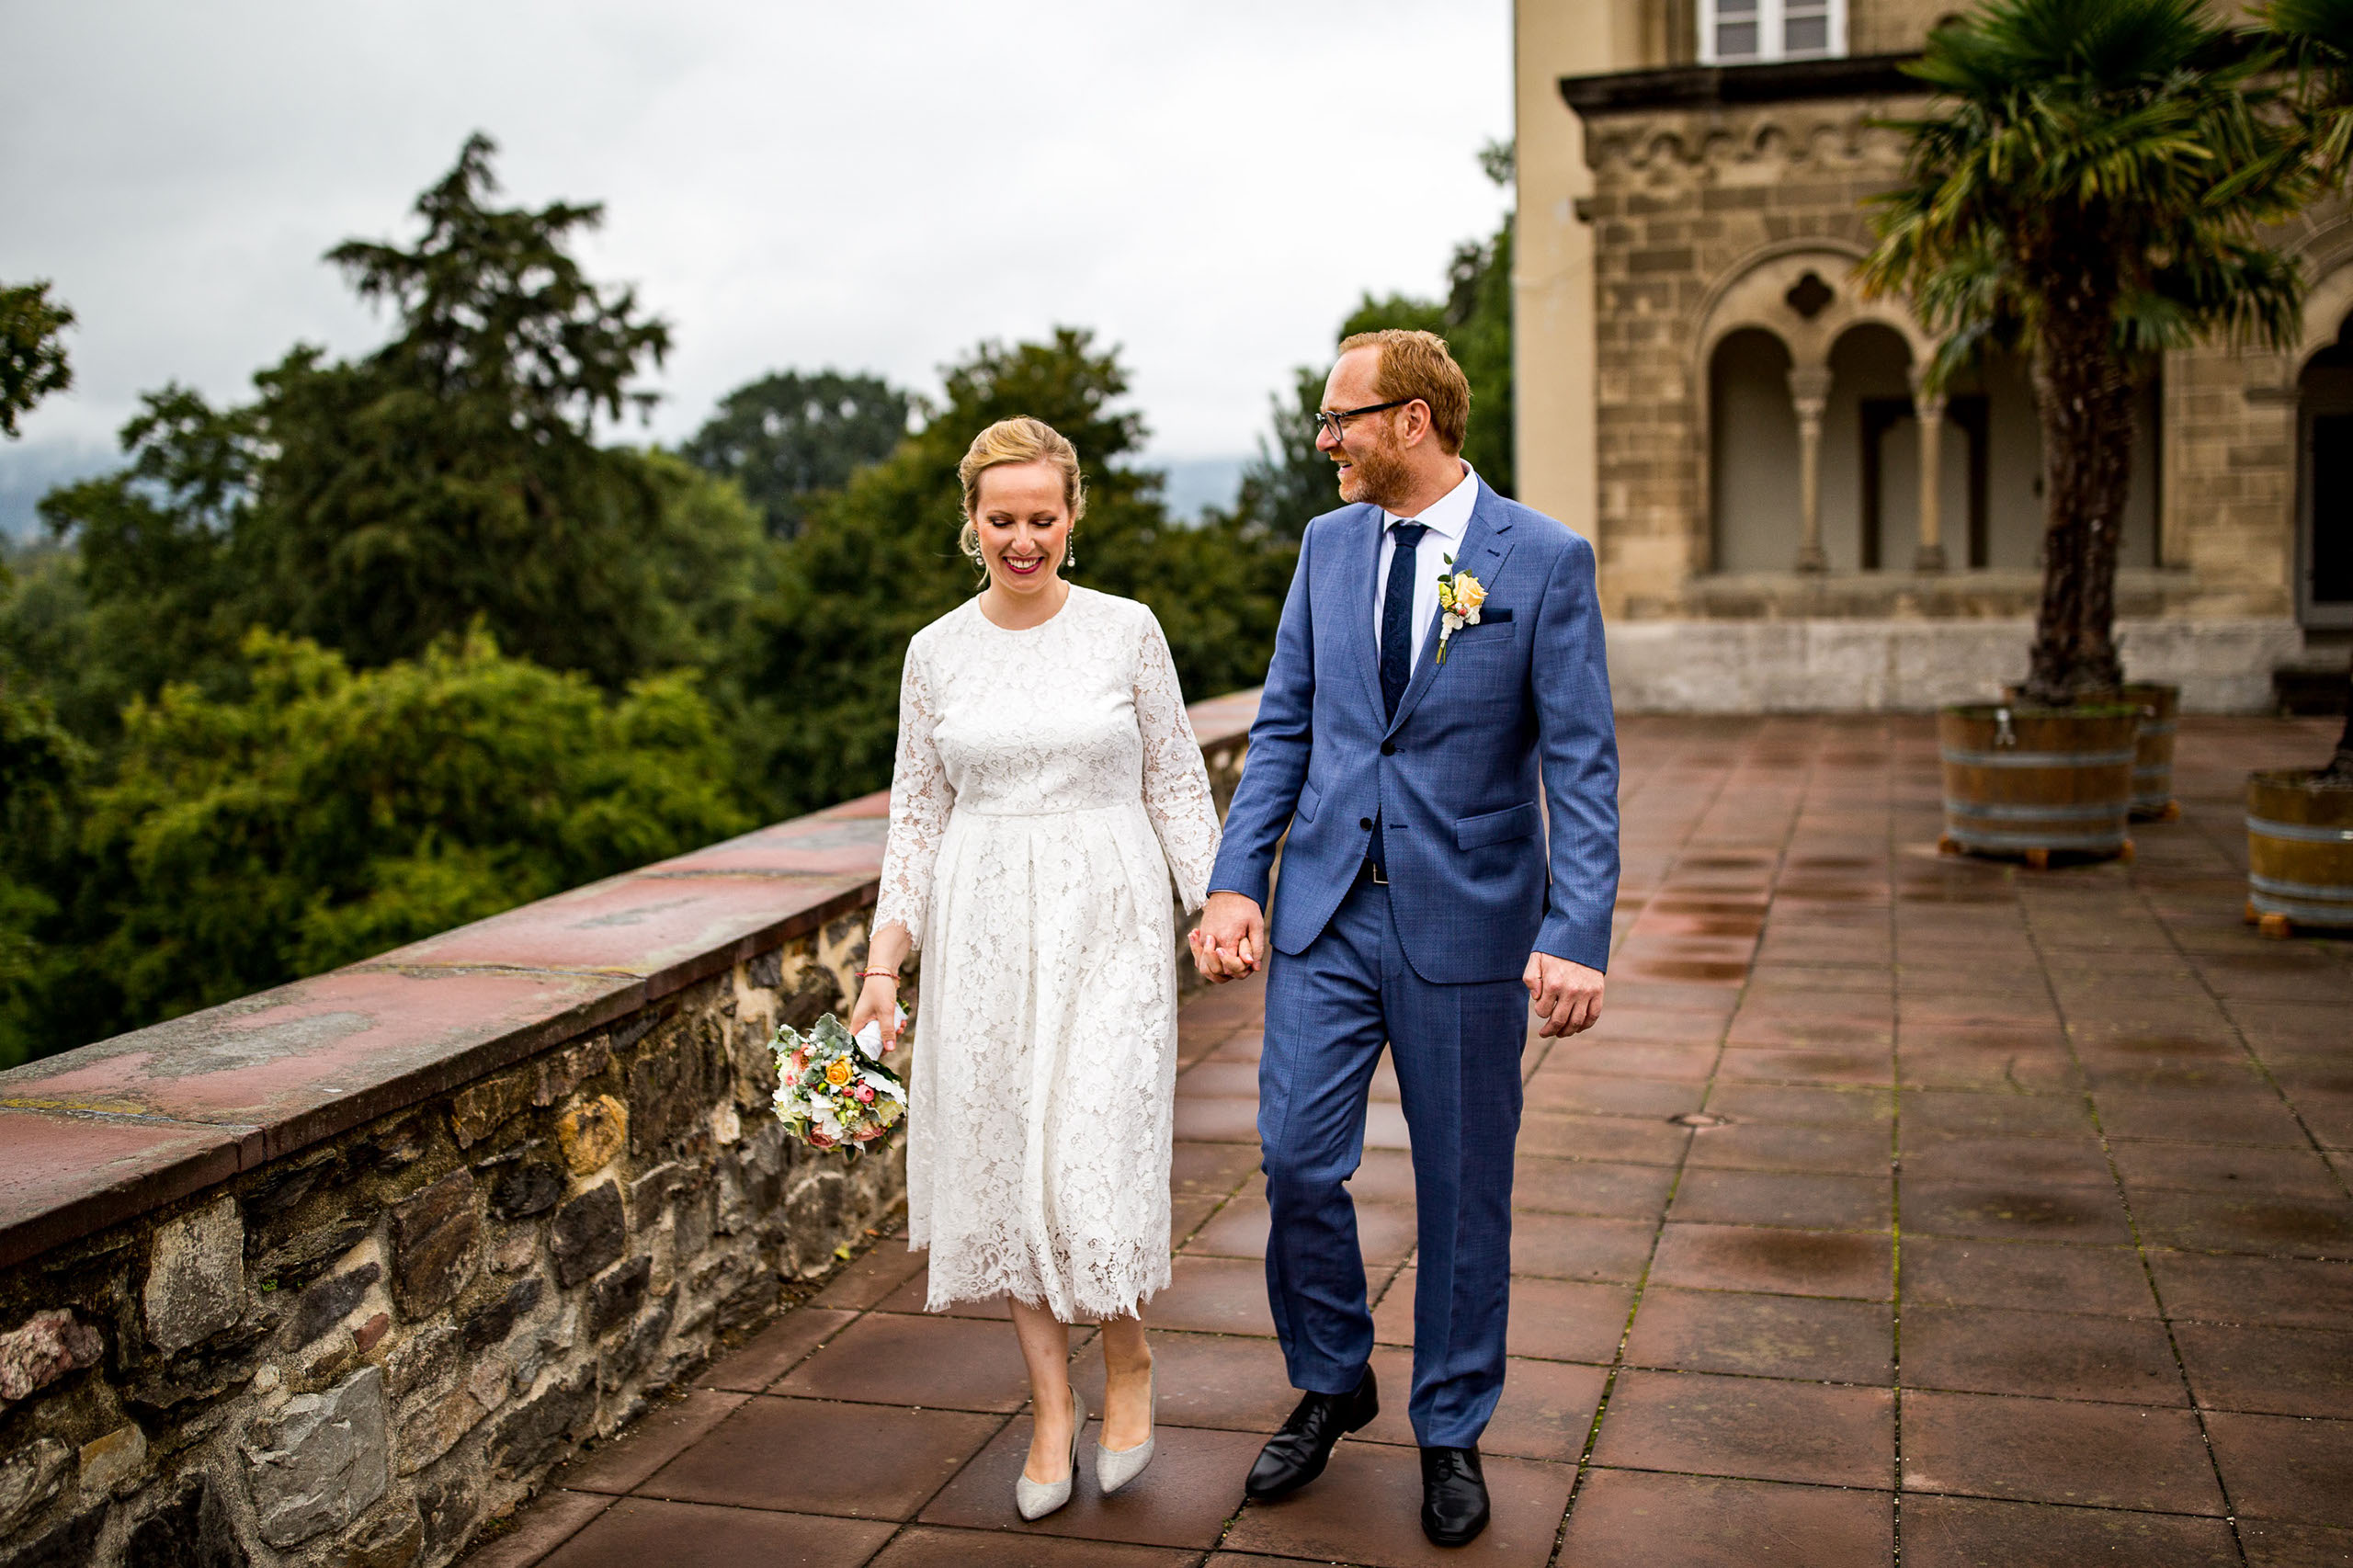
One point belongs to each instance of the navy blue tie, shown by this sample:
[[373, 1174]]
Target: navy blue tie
[[1397, 616], [1396, 643]]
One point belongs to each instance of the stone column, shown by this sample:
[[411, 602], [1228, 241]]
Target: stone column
[[1930, 409], [1810, 392]]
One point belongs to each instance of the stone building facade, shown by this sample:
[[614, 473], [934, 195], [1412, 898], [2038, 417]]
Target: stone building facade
[[1785, 518]]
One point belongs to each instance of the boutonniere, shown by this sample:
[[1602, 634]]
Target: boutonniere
[[1460, 594]]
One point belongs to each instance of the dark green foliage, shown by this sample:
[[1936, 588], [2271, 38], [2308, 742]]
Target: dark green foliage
[[399, 644], [787, 436], [41, 769], [2088, 188], [876, 563], [331, 814], [32, 359]]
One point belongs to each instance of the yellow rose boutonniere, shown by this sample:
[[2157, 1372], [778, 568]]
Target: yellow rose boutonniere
[[1460, 594]]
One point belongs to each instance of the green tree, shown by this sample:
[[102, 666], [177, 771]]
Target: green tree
[[787, 436], [41, 773], [877, 561], [33, 363], [453, 477], [1289, 483], [330, 814], [2088, 187]]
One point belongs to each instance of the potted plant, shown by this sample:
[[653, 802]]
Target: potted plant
[[2085, 189], [2300, 820]]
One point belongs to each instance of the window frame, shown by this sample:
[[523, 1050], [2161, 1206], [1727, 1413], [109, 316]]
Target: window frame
[[1771, 19]]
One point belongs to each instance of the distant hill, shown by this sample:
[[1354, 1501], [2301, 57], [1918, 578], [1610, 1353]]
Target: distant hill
[[32, 469]]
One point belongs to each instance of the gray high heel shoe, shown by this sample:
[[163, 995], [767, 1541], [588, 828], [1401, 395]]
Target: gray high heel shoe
[[1115, 1468], [1036, 1499]]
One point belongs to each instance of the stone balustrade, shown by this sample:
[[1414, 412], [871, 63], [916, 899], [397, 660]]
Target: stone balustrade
[[336, 1273]]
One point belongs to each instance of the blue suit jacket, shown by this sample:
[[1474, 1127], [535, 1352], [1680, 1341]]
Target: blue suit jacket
[[1523, 696]]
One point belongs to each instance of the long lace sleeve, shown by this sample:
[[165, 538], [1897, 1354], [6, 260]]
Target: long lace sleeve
[[1176, 780], [921, 797]]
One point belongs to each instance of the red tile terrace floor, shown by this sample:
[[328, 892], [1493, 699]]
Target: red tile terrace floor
[[2083, 1135]]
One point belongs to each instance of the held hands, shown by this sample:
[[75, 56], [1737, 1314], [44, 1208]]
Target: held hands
[[1231, 939], [1567, 995]]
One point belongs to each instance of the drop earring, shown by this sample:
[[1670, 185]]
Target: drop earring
[[1070, 552]]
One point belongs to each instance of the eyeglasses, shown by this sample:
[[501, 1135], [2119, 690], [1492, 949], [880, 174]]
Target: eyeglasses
[[1334, 419]]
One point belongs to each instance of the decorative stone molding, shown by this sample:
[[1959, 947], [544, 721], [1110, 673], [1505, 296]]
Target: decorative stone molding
[[336, 1274], [1770, 142]]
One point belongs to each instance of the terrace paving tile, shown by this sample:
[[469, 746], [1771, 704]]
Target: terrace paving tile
[[768, 1355], [1586, 1094], [1615, 1138], [1757, 1428], [1765, 1146], [2284, 1227], [1183, 1500], [1591, 1187], [1922, 1112], [874, 1462], [2018, 1211], [1794, 1263], [2284, 1467], [2060, 1162], [2270, 1544], [2274, 1372], [653, 1439], [926, 1546], [2289, 1292], [1763, 1336], [2260, 1118], [2227, 1168], [1364, 1510], [2053, 1355], [1968, 1532], [637, 1530], [1574, 1246], [944, 1363], [1384, 1232], [2049, 1450], [1801, 1199], [1686, 1521], [1784, 1105], [2025, 1276]]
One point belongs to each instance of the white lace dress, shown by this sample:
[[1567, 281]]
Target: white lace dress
[[1047, 783]]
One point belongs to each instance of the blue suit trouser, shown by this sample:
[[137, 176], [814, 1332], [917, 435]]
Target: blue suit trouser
[[1457, 1049]]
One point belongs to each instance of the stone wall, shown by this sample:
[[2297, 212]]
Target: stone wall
[[336, 1274]]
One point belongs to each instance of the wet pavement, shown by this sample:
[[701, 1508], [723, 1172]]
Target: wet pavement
[[2014, 1230]]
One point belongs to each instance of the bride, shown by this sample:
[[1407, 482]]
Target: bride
[[1047, 782]]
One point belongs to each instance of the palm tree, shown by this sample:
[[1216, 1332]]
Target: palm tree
[[2088, 188], [2318, 34]]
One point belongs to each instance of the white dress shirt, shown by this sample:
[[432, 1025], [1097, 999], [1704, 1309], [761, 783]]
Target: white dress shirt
[[1449, 519]]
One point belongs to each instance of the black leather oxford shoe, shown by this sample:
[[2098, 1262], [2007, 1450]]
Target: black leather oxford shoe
[[1297, 1454], [1454, 1496]]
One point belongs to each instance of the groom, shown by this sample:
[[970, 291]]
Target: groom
[[1450, 791]]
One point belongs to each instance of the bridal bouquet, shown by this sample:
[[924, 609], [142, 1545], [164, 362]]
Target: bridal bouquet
[[832, 1091]]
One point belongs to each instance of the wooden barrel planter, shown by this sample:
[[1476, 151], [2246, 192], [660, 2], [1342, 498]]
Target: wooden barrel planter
[[2160, 709], [2037, 781], [2299, 852]]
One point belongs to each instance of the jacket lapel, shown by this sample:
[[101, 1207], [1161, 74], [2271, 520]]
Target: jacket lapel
[[1484, 545], [1360, 570]]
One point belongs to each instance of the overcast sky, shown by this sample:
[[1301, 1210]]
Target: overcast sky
[[873, 186]]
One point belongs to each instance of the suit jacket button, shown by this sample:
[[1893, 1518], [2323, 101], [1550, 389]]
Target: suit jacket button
[[1389, 748], [1365, 822]]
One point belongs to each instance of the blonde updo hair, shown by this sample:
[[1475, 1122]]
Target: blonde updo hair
[[1018, 441]]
